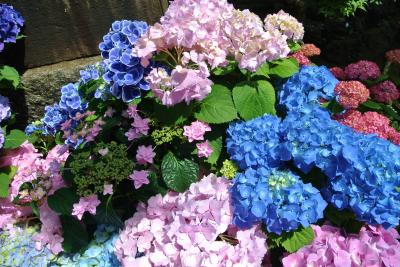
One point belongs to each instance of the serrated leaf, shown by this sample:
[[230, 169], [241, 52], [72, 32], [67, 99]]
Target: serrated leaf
[[263, 70], [295, 240], [216, 145], [253, 100], [6, 176], [231, 67], [62, 201], [9, 77], [74, 234], [218, 106], [284, 68], [14, 139], [178, 175]]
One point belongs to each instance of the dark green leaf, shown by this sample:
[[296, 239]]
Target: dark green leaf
[[284, 68], [371, 105], [63, 200], [390, 112], [74, 234], [174, 115], [231, 67], [14, 139], [105, 214], [35, 209], [9, 77], [178, 175], [218, 106], [6, 176]]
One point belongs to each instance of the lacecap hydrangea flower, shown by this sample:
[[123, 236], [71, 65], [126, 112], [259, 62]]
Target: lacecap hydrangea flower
[[53, 118], [362, 170], [71, 101], [256, 143], [11, 23], [277, 198], [189, 229], [309, 85], [124, 73], [18, 249], [5, 110], [373, 246]]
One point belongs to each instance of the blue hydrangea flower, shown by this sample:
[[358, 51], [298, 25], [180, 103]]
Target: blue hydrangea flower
[[90, 73], [71, 100], [53, 118], [5, 110], [363, 170], [2, 138], [11, 23], [18, 249], [277, 198], [256, 143], [308, 86], [100, 252], [124, 73]]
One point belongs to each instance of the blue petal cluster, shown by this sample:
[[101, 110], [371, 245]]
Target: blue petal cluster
[[90, 73], [71, 100], [308, 86], [53, 118], [100, 252], [256, 143], [124, 73], [18, 249], [11, 23], [5, 110], [277, 198]]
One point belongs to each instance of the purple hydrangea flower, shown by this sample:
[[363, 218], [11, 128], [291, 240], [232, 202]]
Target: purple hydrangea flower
[[5, 110], [2, 138], [11, 22]]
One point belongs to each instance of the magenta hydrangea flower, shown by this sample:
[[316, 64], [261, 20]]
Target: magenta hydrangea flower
[[88, 204], [385, 92], [204, 150], [373, 246], [190, 229], [362, 70], [145, 154], [139, 178], [351, 94], [196, 131]]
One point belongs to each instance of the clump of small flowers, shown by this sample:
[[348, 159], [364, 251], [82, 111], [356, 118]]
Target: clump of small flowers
[[229, 169], [92, 169], [277, 198], [11, 23], [189, 229], [166, 135], [373, 246], [385, 92], [351, 94], [362, 70], [286, 24]]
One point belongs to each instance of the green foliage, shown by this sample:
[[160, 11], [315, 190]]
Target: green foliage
[[166, 135], [292, 241], [90, 170], [231, 67], [174, 115], [62, 201], [284, 68], [14, 139], [178, 174], [215, 141], [6, 175], [254, 99], [218, 106], [9, 77], [106, 214], [74, 234], [344, 219], [341, 8]]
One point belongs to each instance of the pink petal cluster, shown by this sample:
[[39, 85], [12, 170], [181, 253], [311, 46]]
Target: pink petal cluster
[[140, 126], [372, 247], [9, 212], [370, 123], [204, 150], [286, 24], [183, 85], [145, 154], [189, 229], [108, 189], [301, 58], [362, 70], [310, 50], [351, 94], [338, 73], [139, 178], [88, 204], [393, 55], [385, 92], [196, 131]]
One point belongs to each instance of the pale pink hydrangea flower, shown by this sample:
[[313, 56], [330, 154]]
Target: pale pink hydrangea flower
[[88, 204], [139, 178], [204, 150], [196, 131], [286, 24], [183, 230], [145, 154], [351, 94], [108, 189]]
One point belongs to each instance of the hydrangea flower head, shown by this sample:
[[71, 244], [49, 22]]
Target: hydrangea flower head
[[145, 155], [204, 150], [11, 23], [301, 58], [362, 70], [279, 199], [88, 204], [196, 131], [351, 94], [310, 50], [139, 178], [385, 92], [5, 110], [338, 73], [53, 118], [286, 24], [124, 73]]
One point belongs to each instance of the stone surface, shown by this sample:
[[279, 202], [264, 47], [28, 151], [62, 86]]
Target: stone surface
[[60, 30]]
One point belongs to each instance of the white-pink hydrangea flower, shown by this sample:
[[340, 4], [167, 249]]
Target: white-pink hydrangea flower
[[189, 229], [286, 24], [88, 204], [204, 150], [196, 130]]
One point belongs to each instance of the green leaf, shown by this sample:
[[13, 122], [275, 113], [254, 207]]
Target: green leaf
[[74, 234], [216, 145], [252, 102], [263, 70], [390, 112], [174, 115], [6, 176], [294, 47], [21, 36], [231, 67], [9, 77], [178, 175], [371, 105], [284, 68], [14, 139], [294, 240], [35, 209], [63, 200], [105, 214], [218, 106], [91, 118]]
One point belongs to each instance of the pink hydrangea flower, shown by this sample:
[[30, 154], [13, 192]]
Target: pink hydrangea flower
[[373, 246], [145, 154], [362, 70], [139, 178], [132, 111], [140, 127], [108, 189], [310, 50], [184, 230], [88, 204], [351, 94], [204, 149], [385, 92], [301, 58], [196, 131], [338, 73], [393, 55]]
